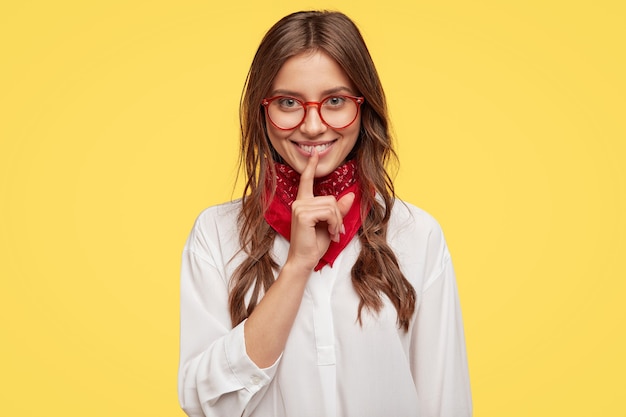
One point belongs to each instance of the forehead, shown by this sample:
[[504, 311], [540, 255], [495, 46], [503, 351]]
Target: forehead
[[311, 74]]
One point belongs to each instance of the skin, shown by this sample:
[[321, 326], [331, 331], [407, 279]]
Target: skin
[[315, 220]]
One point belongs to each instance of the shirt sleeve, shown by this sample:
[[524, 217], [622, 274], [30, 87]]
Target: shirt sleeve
[[438, 342], [216, 377]]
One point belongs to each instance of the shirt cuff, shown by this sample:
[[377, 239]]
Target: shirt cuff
[[245, 370]]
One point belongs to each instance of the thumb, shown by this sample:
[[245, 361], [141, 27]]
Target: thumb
[[345, 202]]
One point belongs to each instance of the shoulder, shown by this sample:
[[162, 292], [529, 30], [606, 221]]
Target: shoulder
[[418, 241], [412, 220], [215, 225], [224, 211]]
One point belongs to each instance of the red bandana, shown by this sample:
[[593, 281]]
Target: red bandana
[[338, 183]]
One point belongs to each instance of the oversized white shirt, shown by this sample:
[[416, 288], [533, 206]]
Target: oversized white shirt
[[331, 365]]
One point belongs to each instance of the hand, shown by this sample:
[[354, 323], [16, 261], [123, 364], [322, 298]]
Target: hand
[[316, 221]]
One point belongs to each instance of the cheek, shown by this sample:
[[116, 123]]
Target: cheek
[[355, 133], [276, 137], [277, 141]]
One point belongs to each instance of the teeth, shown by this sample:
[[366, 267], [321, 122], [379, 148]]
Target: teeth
[[320, 148]]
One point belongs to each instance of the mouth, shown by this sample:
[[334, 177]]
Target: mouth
[[309, 148]]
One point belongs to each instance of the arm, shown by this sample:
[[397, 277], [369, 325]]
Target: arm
[[440, 360], [216, 377], [315, 221], [226, 371]]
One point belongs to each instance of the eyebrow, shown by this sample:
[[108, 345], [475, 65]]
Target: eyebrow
[[331, 91]]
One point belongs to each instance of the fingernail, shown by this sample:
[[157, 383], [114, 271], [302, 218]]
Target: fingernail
[[335, 238], [342, 230]]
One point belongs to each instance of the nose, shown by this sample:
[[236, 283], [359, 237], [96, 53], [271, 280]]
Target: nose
[[312, 125]]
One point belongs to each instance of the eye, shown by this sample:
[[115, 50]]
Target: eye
[[288, 102], [335, 101]]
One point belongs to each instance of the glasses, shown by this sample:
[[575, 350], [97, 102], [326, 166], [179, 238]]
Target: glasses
[[337, 112]]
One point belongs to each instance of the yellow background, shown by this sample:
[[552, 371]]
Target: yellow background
[[118, 124]]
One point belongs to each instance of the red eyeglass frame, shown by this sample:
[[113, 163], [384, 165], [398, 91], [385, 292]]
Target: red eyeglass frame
[[305, 104]]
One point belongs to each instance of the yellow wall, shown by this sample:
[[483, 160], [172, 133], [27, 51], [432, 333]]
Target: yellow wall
[[118, 124]]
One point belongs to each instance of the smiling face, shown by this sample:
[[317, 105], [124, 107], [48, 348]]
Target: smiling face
[[311, 77]]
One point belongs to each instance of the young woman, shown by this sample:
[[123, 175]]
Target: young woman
[[318, 293]]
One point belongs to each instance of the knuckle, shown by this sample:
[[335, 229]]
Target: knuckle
[[296, 210]]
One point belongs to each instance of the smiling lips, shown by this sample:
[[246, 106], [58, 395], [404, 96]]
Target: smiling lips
[[320, 148]]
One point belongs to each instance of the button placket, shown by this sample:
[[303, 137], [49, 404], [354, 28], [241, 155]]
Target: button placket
[[321, 284], [320, 289]]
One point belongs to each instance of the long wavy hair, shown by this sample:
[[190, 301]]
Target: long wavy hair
[[376, 272]]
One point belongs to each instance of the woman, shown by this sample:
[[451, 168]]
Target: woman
[[317, 293]]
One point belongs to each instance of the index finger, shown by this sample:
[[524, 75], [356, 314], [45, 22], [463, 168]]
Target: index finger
[[305, 189]]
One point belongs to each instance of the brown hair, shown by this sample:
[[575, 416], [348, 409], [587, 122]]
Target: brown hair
[[376, 271]]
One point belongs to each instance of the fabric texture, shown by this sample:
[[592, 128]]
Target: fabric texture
[[337, 184], [331, 365]]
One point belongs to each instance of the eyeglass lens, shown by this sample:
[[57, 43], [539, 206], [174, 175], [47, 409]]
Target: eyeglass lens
[[335, 111]]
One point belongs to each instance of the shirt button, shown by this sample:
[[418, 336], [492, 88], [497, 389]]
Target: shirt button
[[255, 379]]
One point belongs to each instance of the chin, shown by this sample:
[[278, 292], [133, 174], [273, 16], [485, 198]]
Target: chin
[[324, 169]]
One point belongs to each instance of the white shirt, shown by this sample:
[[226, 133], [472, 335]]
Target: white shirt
[[331, 366]]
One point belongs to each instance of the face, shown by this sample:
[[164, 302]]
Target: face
[[313, 76]]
